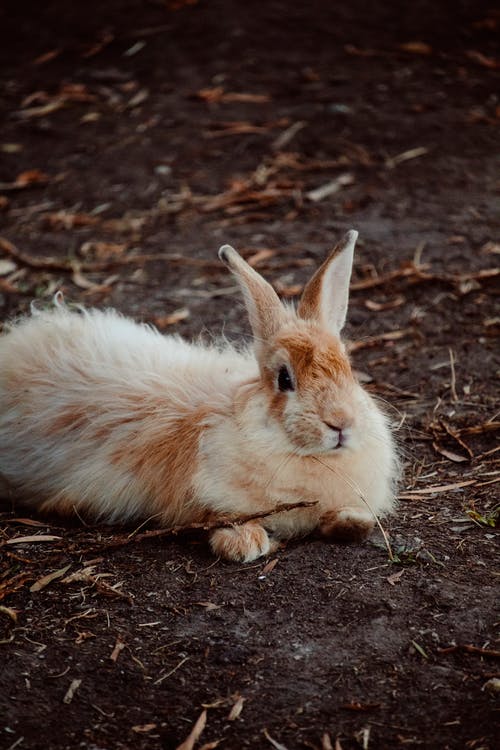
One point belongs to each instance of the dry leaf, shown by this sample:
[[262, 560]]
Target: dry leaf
[[417, 48], [259, 256], [11, 148], [9, 612], [376, 340], [45, 580], [209, 605], [456, 457], [138, 98], [35, 538], [195, 733], [118, 648], [330, 188], [363, 737], [269, 567], [389, 305], [124, 224], [26, 521], [46, 57], [68, 220], [236, 709], [491, 248], [75, 684], [217, 94], [140, 728], [412, 153], [42, 110], [106, 38], [162, 321], [76, 92], [7, 266], [483, 60], [31, 177], [437, 488], [274, 743], [103, 250]]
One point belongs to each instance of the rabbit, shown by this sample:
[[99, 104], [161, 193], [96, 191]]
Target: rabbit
[[105, 416]]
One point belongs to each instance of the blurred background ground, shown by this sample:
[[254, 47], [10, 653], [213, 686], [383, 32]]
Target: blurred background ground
[[135, 138]]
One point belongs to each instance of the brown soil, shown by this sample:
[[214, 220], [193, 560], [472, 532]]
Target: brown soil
[[334, 644]]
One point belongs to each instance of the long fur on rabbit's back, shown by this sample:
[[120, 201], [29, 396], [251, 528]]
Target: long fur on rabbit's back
[[102, 414]]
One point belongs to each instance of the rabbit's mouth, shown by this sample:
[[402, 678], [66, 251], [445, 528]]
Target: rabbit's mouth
[[321, 439]]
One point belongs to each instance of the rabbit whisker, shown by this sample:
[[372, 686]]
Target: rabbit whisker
[[280, 466], [352, 484]]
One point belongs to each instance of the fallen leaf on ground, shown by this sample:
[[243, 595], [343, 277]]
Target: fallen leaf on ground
[[42, 110], [274, 743], [240, 127], [217, 94], [118, 648], [438, 488], [416, 48], [46, 57], [7, 266], [209, 605], [75, 684], [35, 538], [140, 728], [103, 250], [450, 455], [483, 60], [195, 733], [269, 567], [388, 305], [236, 709], [106, 38], [31, 177], [412, 153], [370, 341], [330, 188], [45, 580], [9, 612], [259, 256], [162, 321], [68, 220]]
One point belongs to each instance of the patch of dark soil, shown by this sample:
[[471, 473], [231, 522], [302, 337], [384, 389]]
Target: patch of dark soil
[[136, 137]]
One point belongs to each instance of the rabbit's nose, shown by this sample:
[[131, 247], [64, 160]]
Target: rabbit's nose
[[337, 435]]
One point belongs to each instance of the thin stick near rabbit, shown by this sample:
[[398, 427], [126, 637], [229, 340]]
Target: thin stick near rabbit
[[101, 415]]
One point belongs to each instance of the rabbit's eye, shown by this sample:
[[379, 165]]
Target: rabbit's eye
[[285, 382]]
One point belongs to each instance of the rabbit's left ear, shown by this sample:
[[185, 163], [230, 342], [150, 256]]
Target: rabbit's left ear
[[326, 296], [265, 311]]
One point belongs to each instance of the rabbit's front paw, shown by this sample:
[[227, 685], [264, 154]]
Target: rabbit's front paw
[[241, 543], [346, 525]]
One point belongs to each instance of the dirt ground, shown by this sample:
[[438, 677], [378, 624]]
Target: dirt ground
[[135, 138]]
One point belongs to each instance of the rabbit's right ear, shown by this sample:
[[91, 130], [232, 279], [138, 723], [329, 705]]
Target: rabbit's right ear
[[265, 311], [326, 296]]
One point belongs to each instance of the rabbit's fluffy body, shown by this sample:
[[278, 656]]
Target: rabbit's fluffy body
[[101, 415]]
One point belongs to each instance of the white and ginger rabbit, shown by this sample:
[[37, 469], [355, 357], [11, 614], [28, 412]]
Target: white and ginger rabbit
[[104, 416]]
